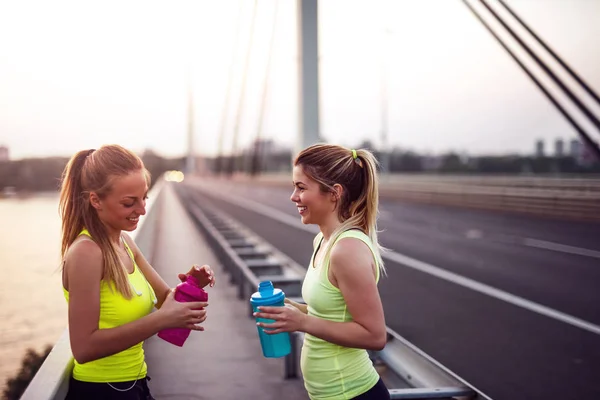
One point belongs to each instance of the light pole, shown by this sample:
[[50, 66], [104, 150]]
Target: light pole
[[190, 162], [385, 155]]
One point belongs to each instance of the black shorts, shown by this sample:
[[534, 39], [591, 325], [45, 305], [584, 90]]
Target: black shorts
[[377, 392], [79, 390]]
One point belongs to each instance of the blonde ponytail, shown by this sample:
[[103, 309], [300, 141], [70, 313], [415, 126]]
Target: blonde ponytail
[[356, 172]]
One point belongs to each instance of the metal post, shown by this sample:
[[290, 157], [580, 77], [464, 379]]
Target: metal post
[[255, 165], [219, 167], [308, 74], [291, 360], [384, 147], [232, 162], [190, 162]]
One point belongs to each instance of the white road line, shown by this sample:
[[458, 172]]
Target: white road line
[[492, 292], [421, 266], [562, 248]]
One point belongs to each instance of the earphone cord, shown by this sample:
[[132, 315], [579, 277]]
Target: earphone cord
[[154, 301], [134, 382]]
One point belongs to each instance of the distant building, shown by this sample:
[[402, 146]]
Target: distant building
[[539, 148], [431, 163], [4, 154], [588, 156], [582, 153], [559, 148], [575, 149]]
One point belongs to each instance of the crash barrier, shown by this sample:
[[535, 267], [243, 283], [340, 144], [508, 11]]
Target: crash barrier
[[249, 259], [554, 197]]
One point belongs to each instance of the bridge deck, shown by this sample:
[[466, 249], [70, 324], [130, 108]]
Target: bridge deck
[[224, 361]]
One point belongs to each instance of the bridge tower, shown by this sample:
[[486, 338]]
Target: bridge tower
[[308, 74]]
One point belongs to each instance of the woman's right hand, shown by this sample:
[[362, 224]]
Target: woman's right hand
[[182, 315]]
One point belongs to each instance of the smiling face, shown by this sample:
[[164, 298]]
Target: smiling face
[[121, 208], [314, 206]]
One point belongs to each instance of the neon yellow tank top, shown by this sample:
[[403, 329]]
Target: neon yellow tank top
[[331, 371], [115, 310]]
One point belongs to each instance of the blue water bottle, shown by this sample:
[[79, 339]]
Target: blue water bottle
[[277, 345]]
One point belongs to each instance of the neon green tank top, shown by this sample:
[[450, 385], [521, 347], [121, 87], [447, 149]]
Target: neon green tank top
[[331, 371], [115, 310]]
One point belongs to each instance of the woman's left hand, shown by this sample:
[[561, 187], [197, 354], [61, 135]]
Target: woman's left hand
[[204, 274], [287, 319]]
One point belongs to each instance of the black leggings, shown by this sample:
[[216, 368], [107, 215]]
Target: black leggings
[[79, 390], [377, 392]]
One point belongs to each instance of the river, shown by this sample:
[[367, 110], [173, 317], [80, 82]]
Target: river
[[33, 310]]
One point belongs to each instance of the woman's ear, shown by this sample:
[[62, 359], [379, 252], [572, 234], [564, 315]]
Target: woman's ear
[[95, 201], [338, 190]]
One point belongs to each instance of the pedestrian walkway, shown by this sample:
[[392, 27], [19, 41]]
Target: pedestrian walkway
[[225, 361]]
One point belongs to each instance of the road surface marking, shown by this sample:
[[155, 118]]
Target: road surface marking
[[562, 248], [427, 268]]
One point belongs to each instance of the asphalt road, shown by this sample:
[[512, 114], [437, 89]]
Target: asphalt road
[[500, 343]]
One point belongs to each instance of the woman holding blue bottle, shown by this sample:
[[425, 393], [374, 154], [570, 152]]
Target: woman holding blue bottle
[[337, 189]]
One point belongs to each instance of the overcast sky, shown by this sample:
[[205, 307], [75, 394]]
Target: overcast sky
[[75, 75]]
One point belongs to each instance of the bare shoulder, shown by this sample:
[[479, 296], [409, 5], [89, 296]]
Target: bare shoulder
[[354, 255], [84, 255]]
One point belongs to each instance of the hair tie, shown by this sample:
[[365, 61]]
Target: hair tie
[[356, 159], [90, 152]]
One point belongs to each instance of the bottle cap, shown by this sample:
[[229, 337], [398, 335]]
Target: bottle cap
[[267, 294]]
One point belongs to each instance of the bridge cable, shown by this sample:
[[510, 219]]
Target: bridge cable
[[582, 107], [256, 155], [558, 59], [236, 130], [225, 112], [586, 138]]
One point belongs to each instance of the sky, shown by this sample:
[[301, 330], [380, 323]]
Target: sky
[[76, 75]]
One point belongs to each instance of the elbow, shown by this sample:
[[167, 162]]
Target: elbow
[[377, 345], [378, 341], [81, 357]]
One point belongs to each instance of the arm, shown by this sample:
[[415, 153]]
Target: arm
[[160, 287], [351, 263], [302, 307], [88, 342]]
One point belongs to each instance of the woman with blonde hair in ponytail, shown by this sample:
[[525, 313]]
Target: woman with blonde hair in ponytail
[[110, 287], [337, 189]]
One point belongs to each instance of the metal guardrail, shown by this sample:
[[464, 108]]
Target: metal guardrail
[[249, 259], [427, 376], [590, 182], [51, 382], [555, 204], [555, 197]]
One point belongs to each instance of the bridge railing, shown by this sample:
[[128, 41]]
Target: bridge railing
[[555, 197], [249, 259], [51, 382]]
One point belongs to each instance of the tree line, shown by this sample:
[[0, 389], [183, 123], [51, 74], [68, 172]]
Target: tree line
[[44, 174]]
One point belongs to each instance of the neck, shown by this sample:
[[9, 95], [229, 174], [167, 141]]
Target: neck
[[328, 227], [114, 235]]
